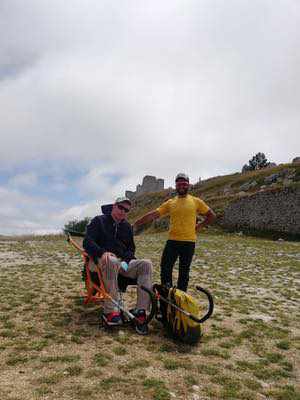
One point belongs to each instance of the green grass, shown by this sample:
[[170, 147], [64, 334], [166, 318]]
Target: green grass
[[191, 380], [113, 382], [119, 350], [215, 352], [287, 392], [135, 365], [208, 369], [55, 346], [171, 364], [60, 359], [283, 345], [101, 359], [74, 370], [50, 379], [16, 359], [157, 388]]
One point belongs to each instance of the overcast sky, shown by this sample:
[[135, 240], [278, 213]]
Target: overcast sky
[[96, 94]]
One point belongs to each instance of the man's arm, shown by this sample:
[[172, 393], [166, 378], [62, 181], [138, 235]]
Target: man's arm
[[93, 232], [149, 217], [210, 217]]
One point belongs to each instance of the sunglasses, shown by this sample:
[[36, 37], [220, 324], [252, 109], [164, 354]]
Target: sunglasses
[[122, 208]]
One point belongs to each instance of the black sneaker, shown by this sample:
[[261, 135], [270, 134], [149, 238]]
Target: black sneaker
[[141, 327], [159, 316]]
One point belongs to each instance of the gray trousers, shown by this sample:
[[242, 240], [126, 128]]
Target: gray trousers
[[137, 269]]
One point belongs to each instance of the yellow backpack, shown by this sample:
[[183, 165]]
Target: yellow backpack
[[181, 326]]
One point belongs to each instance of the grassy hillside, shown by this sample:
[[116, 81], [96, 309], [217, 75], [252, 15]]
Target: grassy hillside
[[219, 191], [51, 346]]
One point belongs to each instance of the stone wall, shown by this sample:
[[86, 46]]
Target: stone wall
[[150, 184], [269, 211]]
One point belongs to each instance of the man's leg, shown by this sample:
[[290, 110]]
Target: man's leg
[[110, 271], [187, 250], [168, 259], [142, 271]]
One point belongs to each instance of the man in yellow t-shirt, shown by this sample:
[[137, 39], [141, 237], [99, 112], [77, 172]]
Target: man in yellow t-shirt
[[183, 210]]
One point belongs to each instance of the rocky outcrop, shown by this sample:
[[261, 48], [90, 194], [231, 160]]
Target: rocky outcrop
[[269, 211], [271, 179], [150, 184], [248, 185], [271, 165], [284, 177], [246, 167]]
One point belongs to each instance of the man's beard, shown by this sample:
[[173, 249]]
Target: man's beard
[[182, 191]]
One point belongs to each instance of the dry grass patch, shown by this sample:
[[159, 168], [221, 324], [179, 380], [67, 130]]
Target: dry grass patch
[[55, 344]]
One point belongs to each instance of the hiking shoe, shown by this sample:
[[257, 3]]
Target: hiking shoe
[[112, 319], [141, 326], [159, 316], [142, 329]]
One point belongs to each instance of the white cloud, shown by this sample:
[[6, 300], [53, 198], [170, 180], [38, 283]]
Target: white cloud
[[20, 213], [28, 179], [135, 88]]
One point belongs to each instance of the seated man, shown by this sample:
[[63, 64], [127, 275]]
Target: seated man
[[109, 242]]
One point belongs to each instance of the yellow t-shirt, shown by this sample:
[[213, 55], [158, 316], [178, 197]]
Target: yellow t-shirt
[[183, 213]]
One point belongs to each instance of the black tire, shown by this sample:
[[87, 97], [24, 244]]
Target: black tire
[[210, 304]]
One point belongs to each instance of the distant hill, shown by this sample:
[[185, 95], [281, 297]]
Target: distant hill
[[221, 191]]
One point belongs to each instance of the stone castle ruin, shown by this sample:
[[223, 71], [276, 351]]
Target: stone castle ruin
[[150, 184]]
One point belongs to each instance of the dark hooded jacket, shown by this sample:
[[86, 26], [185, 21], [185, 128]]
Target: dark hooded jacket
[[105, 234]]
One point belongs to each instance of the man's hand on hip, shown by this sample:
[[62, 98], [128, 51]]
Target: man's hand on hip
[[200, 226]]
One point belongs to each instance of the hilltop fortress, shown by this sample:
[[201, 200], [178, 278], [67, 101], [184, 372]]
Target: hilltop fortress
[[263, 201], [150, 184]]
